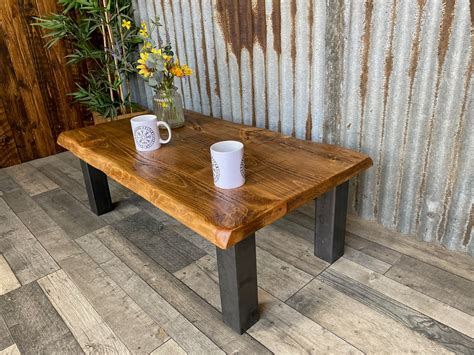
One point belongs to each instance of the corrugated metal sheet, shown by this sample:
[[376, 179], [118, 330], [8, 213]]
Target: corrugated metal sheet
[[390, 78]]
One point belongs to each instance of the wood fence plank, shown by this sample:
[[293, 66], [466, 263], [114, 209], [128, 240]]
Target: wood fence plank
[[10, 155]]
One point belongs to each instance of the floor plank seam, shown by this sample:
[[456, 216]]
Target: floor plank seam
[[327, 280], [151, 287]]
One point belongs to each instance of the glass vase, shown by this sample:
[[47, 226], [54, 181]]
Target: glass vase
[[168, 107]]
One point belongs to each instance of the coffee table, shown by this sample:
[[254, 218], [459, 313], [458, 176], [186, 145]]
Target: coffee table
[[282, 173]]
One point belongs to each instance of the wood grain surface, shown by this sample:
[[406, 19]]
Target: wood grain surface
[[282, 173], [113, 288], [433, 330], [34, 324], [34, 82], [8, 281], [87, 326]]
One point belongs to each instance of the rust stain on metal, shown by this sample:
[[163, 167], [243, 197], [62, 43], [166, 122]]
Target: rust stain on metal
[[259, 24], [364, 75], [228, 19], [453, 166], [467, 234], [414, 59], [471, 6], [445, 32], [309, 127], [293, 53], [387, 76], [444, 36], [243, 25], [206, 68], [293, 32], [276, 25], [217, 89], [415, 48], [309, 122]]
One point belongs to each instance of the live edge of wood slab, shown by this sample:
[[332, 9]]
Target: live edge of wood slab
[[282, 173]]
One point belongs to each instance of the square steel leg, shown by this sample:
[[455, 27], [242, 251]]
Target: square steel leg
[[238, 284], [330, 227], [97, 189]]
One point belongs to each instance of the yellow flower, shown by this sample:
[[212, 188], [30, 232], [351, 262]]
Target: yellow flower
[[143, 30], [167, 57], [146, 45], [176, 71], [156, 51], [164, 104], [186, 70], [126, 24], [143, 70], [143, 58]]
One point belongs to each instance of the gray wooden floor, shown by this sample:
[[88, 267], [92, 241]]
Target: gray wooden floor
[[134, 280]]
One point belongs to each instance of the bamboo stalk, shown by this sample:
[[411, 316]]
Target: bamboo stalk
[[127, 83], [109, 78], [112, 46]]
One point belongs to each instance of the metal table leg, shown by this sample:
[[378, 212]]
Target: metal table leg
[[97, 189], [238, 284], [330, 223]]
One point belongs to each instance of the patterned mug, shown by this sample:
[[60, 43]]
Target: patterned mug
[[228, 166], [146, 133]]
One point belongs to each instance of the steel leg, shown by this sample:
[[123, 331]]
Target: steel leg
[[97, 189], [330, 223], [238, 284]]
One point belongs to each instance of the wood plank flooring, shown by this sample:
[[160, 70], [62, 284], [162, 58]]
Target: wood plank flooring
[[136, 281]]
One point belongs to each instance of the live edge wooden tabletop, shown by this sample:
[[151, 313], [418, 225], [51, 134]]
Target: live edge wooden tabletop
[[282, 173]]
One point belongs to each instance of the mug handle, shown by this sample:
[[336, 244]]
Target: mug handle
[[163, 123]]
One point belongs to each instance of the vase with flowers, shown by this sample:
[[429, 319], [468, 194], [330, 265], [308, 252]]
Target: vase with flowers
[[158, 66]]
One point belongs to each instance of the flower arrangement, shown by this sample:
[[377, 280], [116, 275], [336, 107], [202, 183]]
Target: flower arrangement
[[158, 66], [103, 37], [157, 63]]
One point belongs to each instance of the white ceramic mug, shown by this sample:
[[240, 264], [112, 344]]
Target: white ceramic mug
[[228, 166], [146, 133]]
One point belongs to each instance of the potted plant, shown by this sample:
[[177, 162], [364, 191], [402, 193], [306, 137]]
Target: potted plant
[[103, 36], [158, 66]]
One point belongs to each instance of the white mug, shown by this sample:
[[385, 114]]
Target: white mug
[[228, 166], [146, 133]]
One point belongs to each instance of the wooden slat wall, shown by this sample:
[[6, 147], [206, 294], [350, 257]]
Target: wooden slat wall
[[34, 81]]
